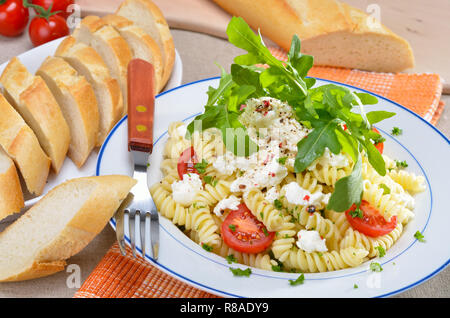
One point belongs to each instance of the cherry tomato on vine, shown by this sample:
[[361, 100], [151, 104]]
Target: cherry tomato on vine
[[43, 30], [372, 223], [13, 17], [58, 5], [244, 233]]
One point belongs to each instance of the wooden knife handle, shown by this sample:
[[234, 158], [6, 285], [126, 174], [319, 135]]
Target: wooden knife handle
[[141, 105]]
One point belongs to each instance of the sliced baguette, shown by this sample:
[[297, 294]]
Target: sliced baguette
[[141, 44], [77, 101], [146, 15], [60, 225], [21, 144], [333, 32], [35, 103], [88, 63], [11, 197], [113, 49]]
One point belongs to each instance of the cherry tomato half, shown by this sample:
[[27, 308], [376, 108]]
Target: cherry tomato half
[[380, 145], [43, 30], [186, 162], [58, 5], [372, 223], [13, 17], [242, 231]]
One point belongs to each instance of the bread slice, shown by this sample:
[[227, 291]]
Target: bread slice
[[113, 49], [35, 103], [77, 100], [88, 63], [146, 15], [141, 44], [21, 145], [60, 225], [11, 197], [335, 33]]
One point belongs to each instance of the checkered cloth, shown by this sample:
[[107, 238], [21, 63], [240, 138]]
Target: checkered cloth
[[126, 276]]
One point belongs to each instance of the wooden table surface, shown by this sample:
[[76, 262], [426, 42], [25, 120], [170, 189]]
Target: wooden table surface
[[410, 18]]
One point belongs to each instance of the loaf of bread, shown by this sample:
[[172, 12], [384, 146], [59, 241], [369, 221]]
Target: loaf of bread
[[146, 15], [113, 49], [11, 197], [78, 103], [22, 146], [35, 103], [140, 43], [60, 225], [88, 63], [335, 33]]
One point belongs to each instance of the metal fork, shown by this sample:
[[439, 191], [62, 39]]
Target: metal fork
[[141, 210]]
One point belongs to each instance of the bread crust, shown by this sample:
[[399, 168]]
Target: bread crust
[[11, 197], [91, 218], [33, 100], [107, 90], [21, 145], [320, 22], [66, 83], [165, 42]]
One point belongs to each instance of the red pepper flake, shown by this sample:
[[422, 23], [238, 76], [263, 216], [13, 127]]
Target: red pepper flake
[[280, 145], [272, 174], [306, 198], [345, 127], [265, 113], [266, 103], [242, 107]]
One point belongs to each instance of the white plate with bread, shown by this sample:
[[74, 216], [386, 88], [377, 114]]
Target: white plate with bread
[[72, 74], [405, 265]]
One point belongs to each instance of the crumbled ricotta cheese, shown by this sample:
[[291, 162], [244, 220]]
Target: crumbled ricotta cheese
[[272, 194], [310, 241], [330, 159], [295, 194], [184, 191], [230, 203]]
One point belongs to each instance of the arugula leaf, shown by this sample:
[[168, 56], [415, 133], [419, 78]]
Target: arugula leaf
[[313, 146], [348, 190], [379, 115]]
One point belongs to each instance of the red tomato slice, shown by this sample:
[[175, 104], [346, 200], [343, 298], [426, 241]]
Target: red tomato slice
[[372, 223], [186, 162], [247, 234], [380, 145]]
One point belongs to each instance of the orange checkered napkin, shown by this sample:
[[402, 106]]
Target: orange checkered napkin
[[125, 276]]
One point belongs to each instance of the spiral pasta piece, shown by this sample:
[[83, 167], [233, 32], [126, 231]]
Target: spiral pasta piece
[[213, 194], [339, 220], [408, 180], [329, 174], [357, 239], [264, 211], [207, 145], [328, 261], [284, 240], [307, 181]]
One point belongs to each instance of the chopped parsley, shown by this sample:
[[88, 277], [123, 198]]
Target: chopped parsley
[[299, 281], [206, 247], [401, 164], [381, 251], [375, 267], [282, 160], [357, 213], [240, 272], [232, 227], [386, 189], [261, 215], [201, 166], [277, 204], [379, 140], [419, 236], [396, 131], [210, 180], [355, 286], [278, 267], [231, 259], [265, 231]]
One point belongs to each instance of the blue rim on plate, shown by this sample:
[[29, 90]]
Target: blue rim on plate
[[112, 221]]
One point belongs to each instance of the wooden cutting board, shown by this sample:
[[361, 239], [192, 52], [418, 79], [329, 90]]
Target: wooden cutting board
[[426, 27]]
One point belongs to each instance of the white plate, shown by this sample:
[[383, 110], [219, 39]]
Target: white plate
[[33, 59], [407, 264]]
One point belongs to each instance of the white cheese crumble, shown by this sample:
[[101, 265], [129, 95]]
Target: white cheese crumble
[[181, 130], [310, 241], [230, 203], [295, 194], [330, 159], [184, 191], [272, 194]]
